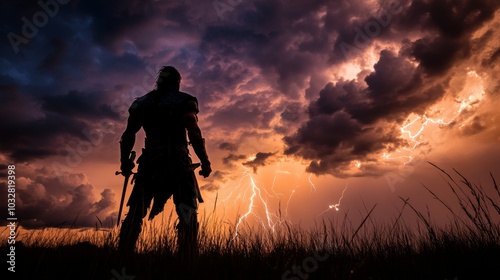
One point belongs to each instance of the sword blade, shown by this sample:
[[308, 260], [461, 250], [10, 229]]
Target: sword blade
[[125, 183], [122, 199]]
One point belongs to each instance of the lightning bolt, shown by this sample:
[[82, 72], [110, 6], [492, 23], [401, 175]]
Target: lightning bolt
[[336, 206], [278, 171], [310, 182], [256, 195], [413, 130], [469, 97], [389, 156], [248, 189], [474, 91], [235, 189], [425, 121], [290, 198]]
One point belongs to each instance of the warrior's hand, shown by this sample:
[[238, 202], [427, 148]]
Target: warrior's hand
[[205, 170], [127, 166]]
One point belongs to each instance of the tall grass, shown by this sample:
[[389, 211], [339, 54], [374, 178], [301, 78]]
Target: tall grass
[[468, 247]]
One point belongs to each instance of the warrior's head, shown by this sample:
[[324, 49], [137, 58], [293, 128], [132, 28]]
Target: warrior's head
[[168, 78]]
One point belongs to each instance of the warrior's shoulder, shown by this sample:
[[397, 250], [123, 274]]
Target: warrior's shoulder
[[190, 102], [187, 96], [142, 101]]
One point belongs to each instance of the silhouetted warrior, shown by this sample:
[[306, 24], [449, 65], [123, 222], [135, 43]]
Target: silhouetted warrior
[[165, 168]]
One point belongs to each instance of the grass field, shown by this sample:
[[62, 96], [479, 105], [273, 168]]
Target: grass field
[[466, 248]]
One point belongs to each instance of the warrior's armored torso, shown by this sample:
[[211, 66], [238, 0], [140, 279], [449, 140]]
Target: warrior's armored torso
[[161, 116]]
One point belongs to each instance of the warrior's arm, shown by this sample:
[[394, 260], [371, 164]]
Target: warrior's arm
[[128, 137], [195, 137]]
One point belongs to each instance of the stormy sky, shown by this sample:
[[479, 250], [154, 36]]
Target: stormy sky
[[299, 96]]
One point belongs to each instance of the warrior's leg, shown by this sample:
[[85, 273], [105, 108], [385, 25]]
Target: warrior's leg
[[186, 206], [187, 228], [131, 226]]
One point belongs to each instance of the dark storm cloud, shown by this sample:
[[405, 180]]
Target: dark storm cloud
[[446, 25], [265, 67], [292, 114], [261, 159], [77, 104], [450, 19], [283, 40], [111, 20], [451, 24], [353, 121], [215, 180], [210, 187], [54, 58], [57, 60], [245, 111], [3, 170], [220, 176], [215, 77], [360, 25], [41, 124], [37, 138], [231, 158], [45, 199], [50, 90], [139, 25], [393, 89]]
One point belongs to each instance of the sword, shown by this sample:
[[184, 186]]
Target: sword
[[132, 158]]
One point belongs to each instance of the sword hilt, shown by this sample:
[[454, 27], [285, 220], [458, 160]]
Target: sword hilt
[[131, 158], [119, 172]]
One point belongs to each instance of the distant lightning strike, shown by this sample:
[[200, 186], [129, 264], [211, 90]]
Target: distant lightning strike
[[256, 195], [278, 171], [234, 189], [389, 156], [413, 136], [272, 186], [257, 198], [336, 206], [474, 93], [413, 131], [288, 201], [471, 95], [310, 182]]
